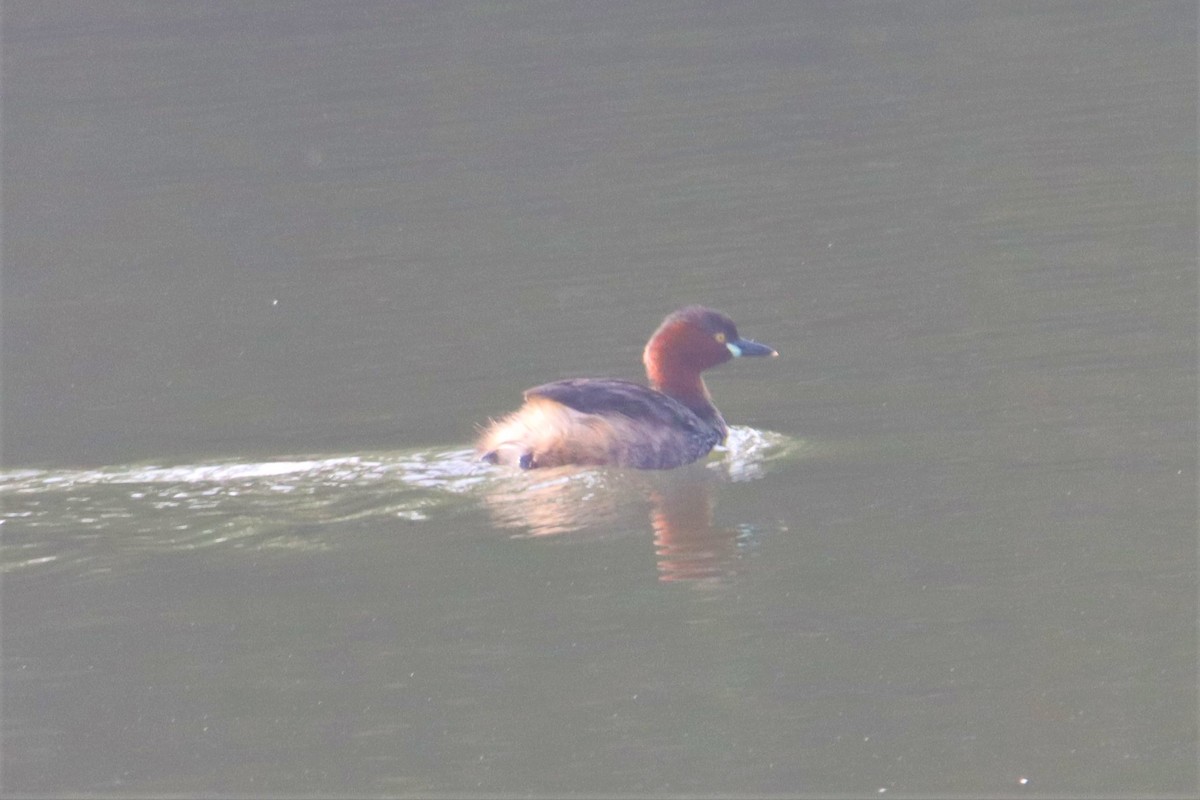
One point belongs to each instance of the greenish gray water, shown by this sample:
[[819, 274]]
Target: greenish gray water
[[268, 266]]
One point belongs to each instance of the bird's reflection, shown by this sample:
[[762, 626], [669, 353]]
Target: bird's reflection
[[687, 545]]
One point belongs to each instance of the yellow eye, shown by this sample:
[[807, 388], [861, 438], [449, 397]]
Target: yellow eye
[[720, 337]]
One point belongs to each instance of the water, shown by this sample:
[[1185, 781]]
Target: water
[[268, 267]]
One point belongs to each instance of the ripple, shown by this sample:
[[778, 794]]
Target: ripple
[[60, 518]]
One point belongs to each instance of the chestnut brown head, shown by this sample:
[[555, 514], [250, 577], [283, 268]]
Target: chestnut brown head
[[692, 340]]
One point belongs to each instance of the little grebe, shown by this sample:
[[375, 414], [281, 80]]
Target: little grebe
[[601, 421]]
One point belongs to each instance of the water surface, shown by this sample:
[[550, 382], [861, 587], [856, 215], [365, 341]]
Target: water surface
[[268, 266]]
